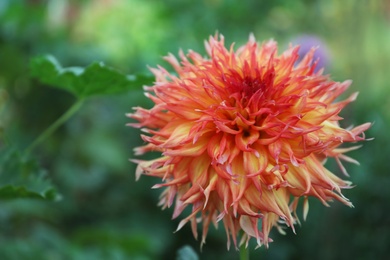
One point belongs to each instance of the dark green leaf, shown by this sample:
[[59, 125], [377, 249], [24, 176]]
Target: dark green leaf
[[14, 192], [96, 79], [21, 177]]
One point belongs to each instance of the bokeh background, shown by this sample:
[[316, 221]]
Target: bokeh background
[[104, 213]]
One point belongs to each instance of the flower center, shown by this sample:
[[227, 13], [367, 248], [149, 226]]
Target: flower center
[[251, 85]]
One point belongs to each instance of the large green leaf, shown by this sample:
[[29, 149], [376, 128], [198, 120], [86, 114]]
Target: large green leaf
[[95, 79], [21, 177]]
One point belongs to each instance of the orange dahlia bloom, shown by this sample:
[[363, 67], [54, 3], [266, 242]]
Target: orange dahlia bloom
[[243, 135]]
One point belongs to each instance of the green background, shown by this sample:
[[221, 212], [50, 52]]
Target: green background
[[103, 213]]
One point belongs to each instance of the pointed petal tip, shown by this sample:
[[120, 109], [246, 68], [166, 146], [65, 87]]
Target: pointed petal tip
[[252, 37], [181, 225]]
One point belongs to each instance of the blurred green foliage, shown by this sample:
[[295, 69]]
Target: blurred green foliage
[[21, 177], [103, 213]]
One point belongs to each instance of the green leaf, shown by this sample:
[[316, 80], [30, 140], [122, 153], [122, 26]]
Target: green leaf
[[13, 192], [186, 253], [21, 177], [96, 79]]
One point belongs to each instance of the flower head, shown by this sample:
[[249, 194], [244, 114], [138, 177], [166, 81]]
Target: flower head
[[243, 135]]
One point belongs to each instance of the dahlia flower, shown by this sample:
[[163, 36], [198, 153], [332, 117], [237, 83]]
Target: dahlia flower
[[243, 135]]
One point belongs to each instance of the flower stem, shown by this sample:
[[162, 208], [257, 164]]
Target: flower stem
[[51, 129], [244, 252]]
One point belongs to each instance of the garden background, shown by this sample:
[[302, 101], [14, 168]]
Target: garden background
[[96, 210]]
